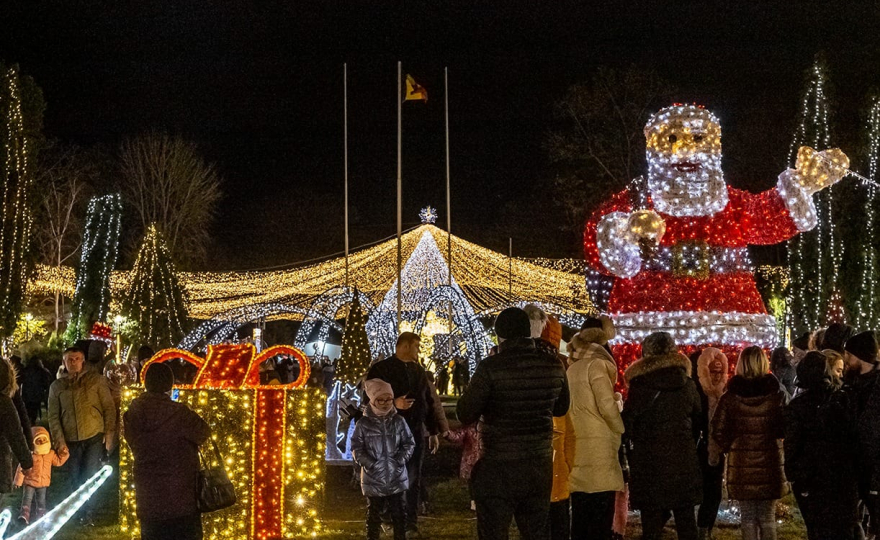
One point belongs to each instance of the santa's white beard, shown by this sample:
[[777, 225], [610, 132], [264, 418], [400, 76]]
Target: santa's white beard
[[677, 193]]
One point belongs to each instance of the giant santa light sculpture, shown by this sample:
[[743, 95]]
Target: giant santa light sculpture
[[678, 249]]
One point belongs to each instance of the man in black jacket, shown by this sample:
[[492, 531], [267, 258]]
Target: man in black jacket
[[861, 379], [517, 392], [414, 401]]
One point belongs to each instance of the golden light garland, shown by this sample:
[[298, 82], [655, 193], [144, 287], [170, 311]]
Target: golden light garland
[[485, 276]]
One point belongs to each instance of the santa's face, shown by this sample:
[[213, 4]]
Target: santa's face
[[684, 162]]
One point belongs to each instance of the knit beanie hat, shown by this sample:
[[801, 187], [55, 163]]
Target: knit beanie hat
[[658, 344], [513, 323], [552, 333], [863, 346], [376, 388], [835, 336], [159, 378], [537, 320]]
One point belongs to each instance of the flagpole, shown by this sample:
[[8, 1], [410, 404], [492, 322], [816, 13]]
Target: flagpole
[[448, 193], [448, 208], [399, 193], [345, 144], [510, 271]]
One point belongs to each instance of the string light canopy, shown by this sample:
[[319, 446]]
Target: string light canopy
[[487, 279]]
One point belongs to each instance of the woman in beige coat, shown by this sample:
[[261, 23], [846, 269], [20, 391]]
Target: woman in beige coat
[[596, 476]]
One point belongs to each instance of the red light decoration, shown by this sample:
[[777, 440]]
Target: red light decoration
[[700, 271], [236, 367]]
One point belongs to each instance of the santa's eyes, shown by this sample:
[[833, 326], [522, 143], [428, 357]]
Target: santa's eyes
[[673, 139]]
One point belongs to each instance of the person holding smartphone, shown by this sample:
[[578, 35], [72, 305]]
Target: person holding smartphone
[[414, 401]]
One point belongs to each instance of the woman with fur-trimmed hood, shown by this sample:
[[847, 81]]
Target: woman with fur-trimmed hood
[[659, 416], [13, 446], [711, 376], [596, 476]]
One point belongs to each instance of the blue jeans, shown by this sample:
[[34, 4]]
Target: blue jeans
[[85, 460], [27, 498]]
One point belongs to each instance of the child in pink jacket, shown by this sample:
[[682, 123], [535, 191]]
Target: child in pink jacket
[[37, 479], [471, 441]]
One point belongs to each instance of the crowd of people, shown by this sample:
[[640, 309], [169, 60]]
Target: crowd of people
[[547, 441], [549, 444]]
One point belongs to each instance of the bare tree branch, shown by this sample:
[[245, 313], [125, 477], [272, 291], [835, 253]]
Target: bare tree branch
[[168, 183]]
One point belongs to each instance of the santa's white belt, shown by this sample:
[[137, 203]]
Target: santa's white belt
[[698, 259], [699, 327]]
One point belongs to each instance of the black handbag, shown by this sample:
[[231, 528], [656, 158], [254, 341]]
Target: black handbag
[[215, 490]]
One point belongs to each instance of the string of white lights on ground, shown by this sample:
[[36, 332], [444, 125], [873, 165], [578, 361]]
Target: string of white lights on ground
[[49, 525]]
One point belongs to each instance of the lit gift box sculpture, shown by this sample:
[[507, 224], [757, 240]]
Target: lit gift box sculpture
[[271, 438]]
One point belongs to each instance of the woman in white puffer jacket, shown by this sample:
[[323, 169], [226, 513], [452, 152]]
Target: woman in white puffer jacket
[[596, 476]]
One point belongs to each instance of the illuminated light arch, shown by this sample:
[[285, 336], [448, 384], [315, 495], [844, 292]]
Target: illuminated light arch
[[323, 312], [464, 319], [214, 331]]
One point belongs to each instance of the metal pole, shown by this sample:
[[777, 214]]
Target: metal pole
[[510, 271], [399, 193], [448, 210], [345, 137], [448, 189]]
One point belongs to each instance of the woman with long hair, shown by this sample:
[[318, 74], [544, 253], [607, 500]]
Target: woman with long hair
[[748, 426]]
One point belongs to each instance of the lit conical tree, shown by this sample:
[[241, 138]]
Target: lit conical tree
[[99, 252], [813, 256], [16, 187], [867, 314], [155, 300], [356, 356]]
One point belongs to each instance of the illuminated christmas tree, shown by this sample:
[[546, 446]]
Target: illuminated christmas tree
[[21, 114], [356, 356], [155, 299], [867, 314], [813, 256], [99, 252]]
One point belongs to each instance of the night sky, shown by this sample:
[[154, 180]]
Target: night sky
[[258, 85]]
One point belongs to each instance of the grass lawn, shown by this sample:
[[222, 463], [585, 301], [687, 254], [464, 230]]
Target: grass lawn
[[450, 519]]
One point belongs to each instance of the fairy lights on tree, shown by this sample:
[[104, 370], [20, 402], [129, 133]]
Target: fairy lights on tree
[[813, 256], [155, 298], [99, 253], [866, 312], [356, 355], [15, 204]]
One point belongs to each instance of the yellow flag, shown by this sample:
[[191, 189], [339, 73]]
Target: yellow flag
[[414, 91]]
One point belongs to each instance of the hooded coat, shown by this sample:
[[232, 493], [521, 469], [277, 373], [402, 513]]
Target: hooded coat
[[13, 445], [382, 445], [80, 407], [40, 475], [659, 416], [710, 395], [595, 415], [164, 437], [748, 426], [821, 453]]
